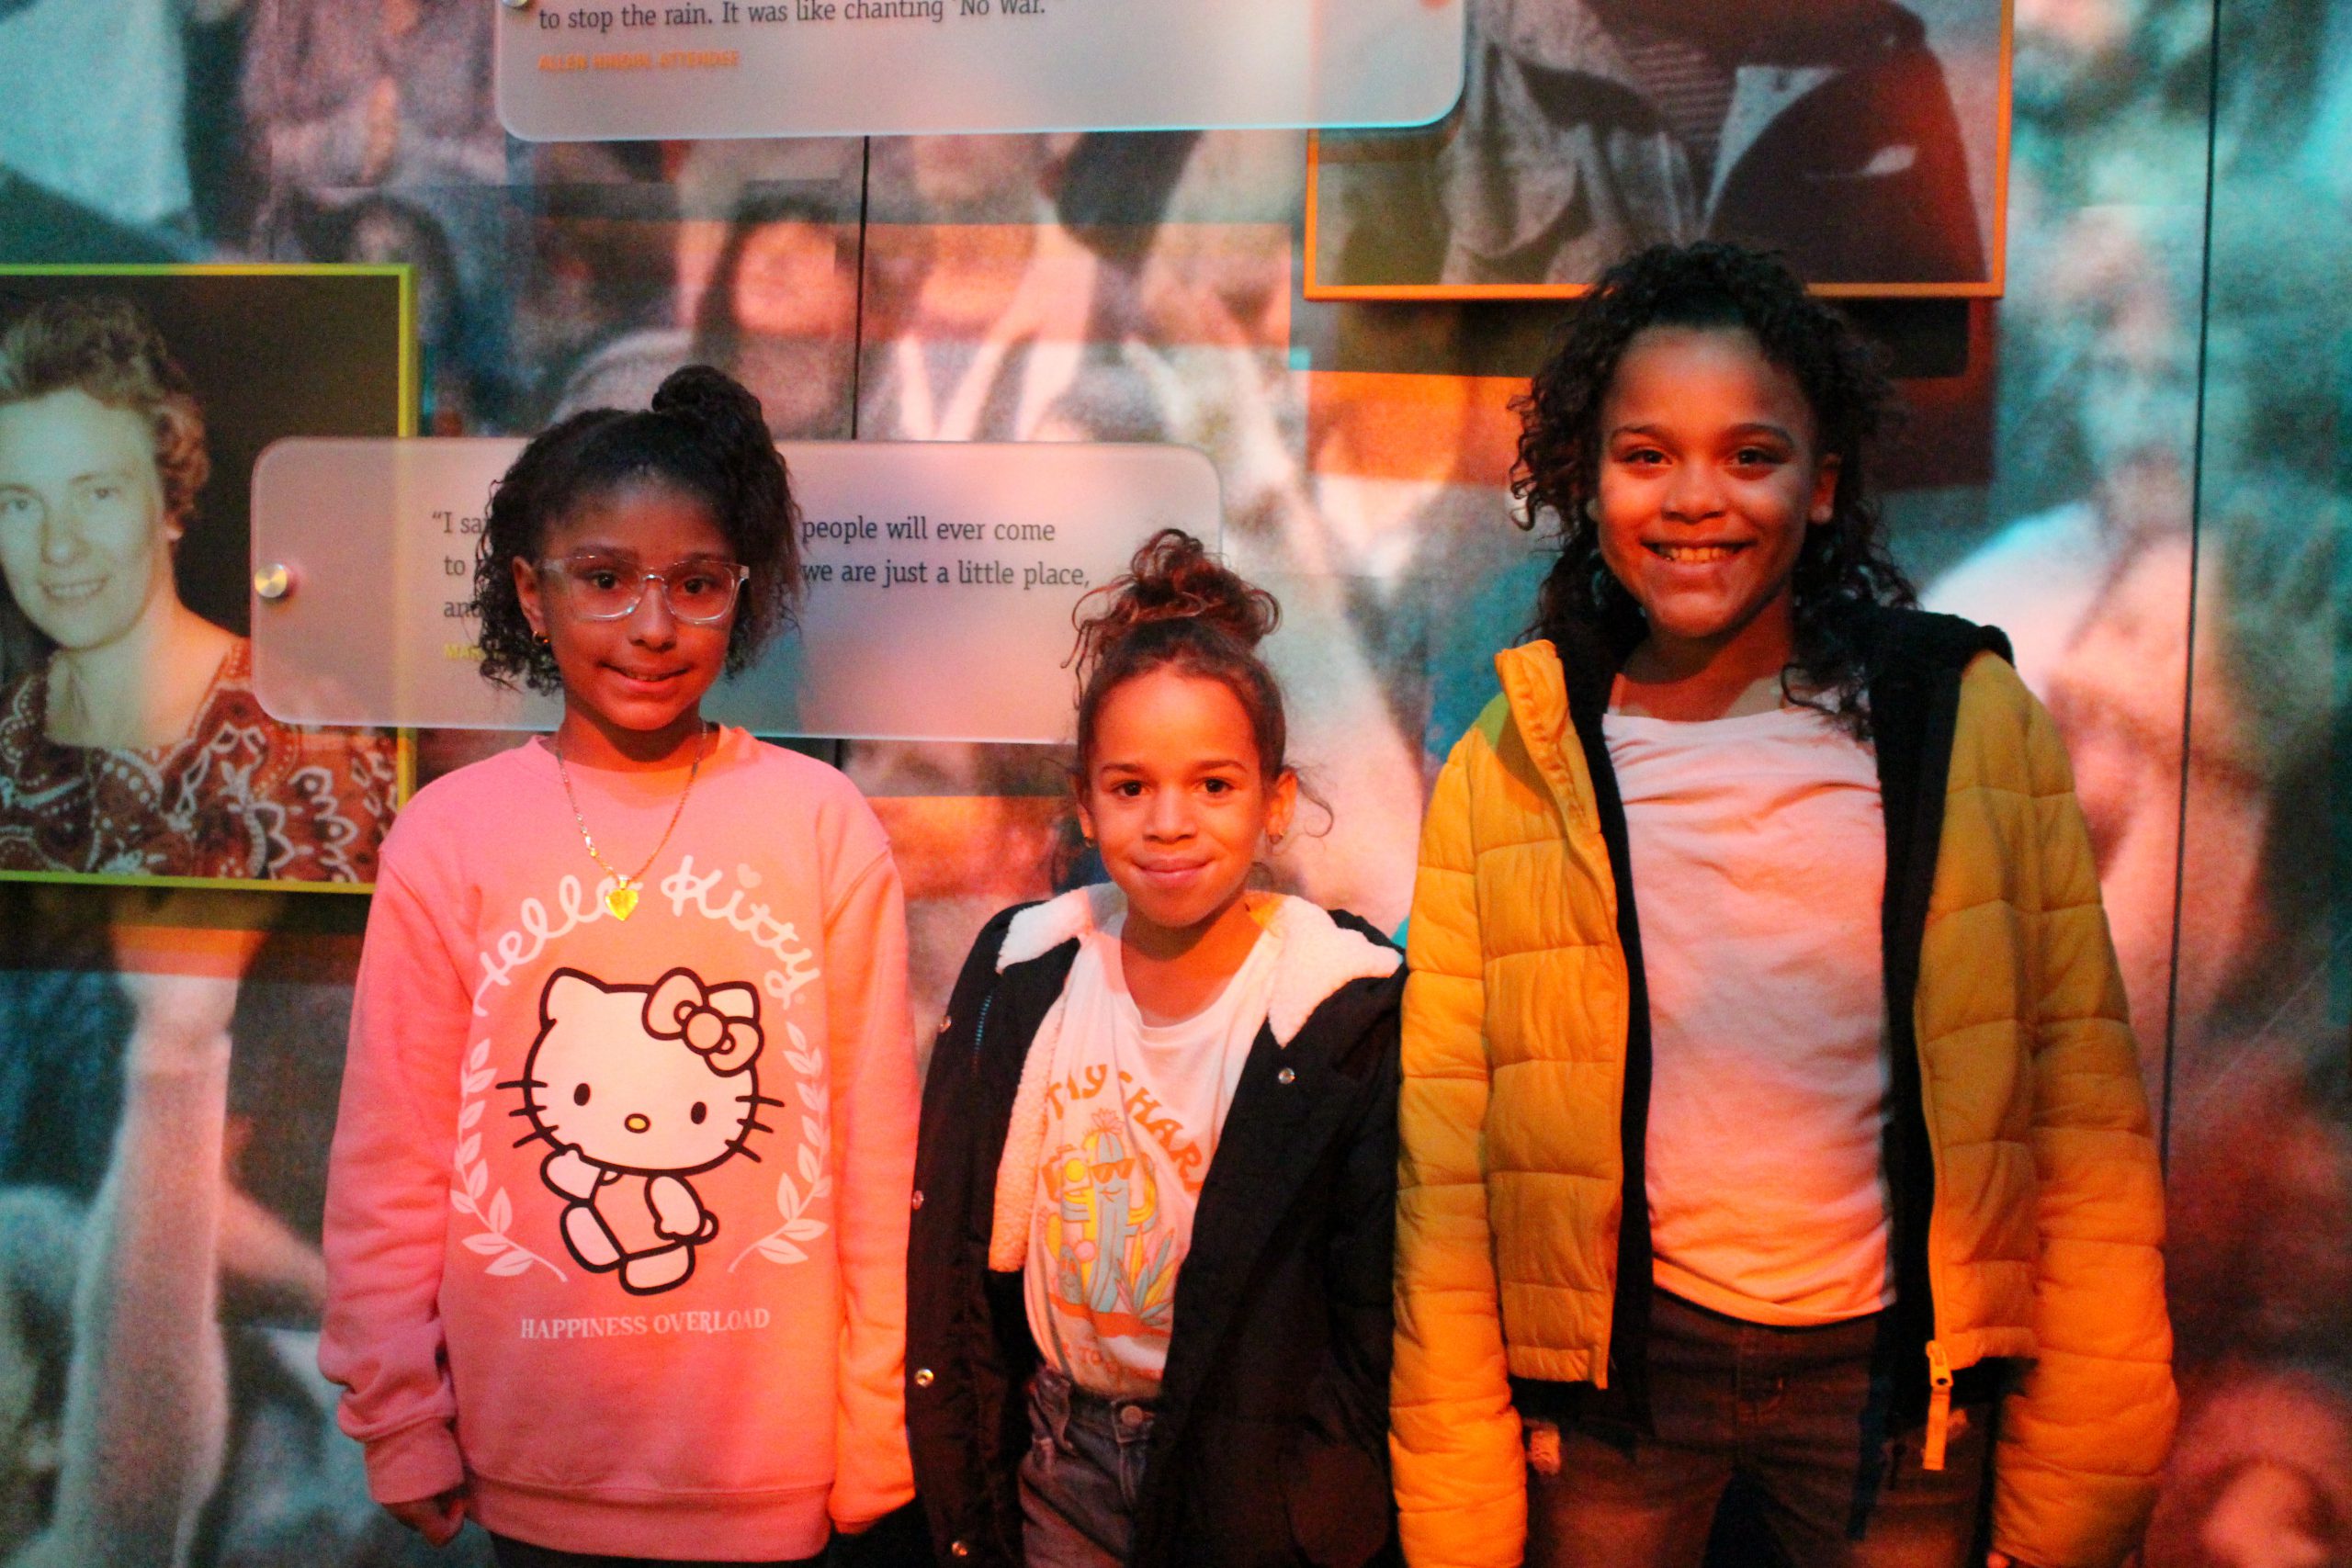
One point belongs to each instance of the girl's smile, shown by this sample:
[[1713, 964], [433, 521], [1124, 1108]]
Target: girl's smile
[[652, 682], [1695, 555]]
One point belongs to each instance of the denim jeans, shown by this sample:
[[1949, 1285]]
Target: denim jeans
[[1788, 1413], [512, 1553], [1083, 1474]]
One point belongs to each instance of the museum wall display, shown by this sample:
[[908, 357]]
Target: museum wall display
[[2129, 376]]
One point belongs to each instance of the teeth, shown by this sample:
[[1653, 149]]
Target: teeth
[[1690, 555]]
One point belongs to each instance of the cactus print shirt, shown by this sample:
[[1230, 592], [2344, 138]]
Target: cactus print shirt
[[1131, 1115]]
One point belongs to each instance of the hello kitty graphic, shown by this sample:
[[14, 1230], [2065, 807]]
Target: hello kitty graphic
[[636, 1088]]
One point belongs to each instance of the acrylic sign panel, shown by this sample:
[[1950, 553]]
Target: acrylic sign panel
[[939, 580], [600, 70]]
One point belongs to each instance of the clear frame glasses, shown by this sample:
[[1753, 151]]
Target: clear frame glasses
[[698, 592]]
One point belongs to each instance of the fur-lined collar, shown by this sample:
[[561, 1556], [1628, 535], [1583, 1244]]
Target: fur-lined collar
[[1318, 954]]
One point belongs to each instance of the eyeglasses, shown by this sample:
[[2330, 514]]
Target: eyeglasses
[[698, 592]]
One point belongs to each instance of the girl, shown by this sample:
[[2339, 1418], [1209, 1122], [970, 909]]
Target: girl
[[1768, 1092], [1154, 1206], [619, 1196]]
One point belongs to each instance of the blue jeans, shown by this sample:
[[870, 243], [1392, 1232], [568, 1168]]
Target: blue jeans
[[1083, 1474], [512, 1553], [1788, 1413]]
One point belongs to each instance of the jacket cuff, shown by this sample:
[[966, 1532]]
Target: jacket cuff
[[414, 1463], [2069, 1520]]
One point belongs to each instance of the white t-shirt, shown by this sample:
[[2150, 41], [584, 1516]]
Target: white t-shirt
[[1759, 865], [1132, 1116]]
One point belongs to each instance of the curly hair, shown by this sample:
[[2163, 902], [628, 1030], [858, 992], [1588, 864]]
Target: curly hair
[[1843, 564], [1179, 607], [105, 347], [704, 436]]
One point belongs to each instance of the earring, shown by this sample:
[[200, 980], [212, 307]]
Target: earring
[[1592, 509], [1274, 840], [541, 638]]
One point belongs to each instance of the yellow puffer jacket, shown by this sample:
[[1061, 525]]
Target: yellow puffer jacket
[[2044, 1237]]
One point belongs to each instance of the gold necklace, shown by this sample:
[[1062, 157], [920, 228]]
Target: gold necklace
[[620, 899]]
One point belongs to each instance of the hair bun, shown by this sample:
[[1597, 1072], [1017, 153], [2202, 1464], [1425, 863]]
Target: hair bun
[[720, 405], [730, 425], [1173, 578]]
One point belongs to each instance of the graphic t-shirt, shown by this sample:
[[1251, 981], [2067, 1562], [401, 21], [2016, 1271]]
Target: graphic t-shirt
[[625, 1193], [1132, 1116]]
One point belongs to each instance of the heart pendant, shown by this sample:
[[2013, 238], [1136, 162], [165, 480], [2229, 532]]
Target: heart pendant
[[620, 900]]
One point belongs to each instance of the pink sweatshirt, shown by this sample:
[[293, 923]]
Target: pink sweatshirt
[[616, 1216]]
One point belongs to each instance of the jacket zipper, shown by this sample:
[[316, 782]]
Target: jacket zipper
[[980, 1026], [1937, 1436], [1931, 1453]]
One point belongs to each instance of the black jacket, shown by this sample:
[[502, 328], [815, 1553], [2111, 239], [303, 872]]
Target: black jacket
[[1271, 1444]]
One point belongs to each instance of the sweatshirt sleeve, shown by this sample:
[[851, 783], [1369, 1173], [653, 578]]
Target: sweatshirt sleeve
[[875, 1111], [388, 1200]]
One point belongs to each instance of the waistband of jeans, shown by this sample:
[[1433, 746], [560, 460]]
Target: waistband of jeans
[[1055, 1387]]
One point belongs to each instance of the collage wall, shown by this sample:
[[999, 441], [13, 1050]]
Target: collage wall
[[2136, 461]]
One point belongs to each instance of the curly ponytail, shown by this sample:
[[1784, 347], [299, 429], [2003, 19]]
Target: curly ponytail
[[706, 437], [1177, 607]]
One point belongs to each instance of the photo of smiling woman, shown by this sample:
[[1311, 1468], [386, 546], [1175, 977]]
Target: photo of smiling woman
[[134, 745]]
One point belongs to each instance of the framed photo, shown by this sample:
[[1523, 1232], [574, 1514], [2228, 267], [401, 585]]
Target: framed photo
[[1866, 141], [133, 401]]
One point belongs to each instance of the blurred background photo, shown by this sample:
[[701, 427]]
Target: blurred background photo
[[1865, 139], [2136, 458]]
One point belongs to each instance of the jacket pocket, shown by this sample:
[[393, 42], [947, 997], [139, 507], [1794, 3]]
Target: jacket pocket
[[1341, 1512]]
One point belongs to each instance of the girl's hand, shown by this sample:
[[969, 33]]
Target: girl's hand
[[438, 1519]]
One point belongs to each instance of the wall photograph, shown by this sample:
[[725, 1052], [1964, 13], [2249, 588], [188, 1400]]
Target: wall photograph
[[132, 405]]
